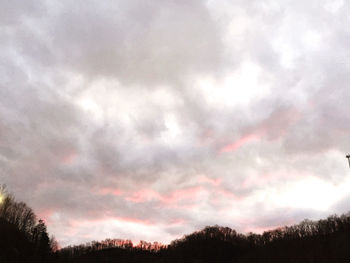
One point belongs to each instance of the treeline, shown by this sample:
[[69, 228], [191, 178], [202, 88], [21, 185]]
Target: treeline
[[23, 238], [326, 240], [323, 241], [69, 252]]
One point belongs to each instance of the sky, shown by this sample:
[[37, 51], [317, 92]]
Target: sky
[[148, 120]]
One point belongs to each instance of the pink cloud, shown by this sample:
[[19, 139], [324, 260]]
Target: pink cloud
[[188, 193], [214, 182], [273, 127], [239, 143], [143, 196], [146, 195], [133, 220], [176, 222], [229, 194], [110, 191], [69, 158], [45, 214], [278, 123]]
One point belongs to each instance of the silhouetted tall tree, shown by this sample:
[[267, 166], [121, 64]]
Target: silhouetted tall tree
[[23, 239]]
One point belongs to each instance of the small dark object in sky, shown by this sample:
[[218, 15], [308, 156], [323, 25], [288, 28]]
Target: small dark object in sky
[[348, 156]]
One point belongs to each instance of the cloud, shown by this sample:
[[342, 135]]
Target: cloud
[[136, 43], [180, 114]]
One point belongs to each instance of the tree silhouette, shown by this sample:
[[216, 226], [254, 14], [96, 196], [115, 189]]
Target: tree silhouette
[[23, 239]]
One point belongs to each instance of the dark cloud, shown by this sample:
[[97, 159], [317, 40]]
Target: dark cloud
[[15, 12], [137, 43]]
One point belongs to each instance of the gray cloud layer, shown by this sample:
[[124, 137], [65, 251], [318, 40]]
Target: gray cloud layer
[[162, 117]]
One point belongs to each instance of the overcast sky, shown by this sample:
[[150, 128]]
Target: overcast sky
[[152, 119]]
